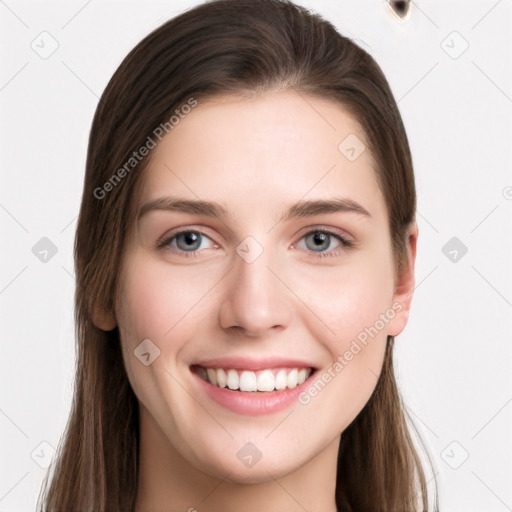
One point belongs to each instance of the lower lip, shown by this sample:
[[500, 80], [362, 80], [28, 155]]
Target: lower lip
[[254, 403]]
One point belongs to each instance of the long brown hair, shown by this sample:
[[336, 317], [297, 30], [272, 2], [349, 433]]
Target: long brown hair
[[221, 47]]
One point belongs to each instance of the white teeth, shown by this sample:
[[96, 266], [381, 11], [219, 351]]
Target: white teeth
[[248, 381], [232, 379], [212, 376], [301, 376], [280, 381], [263, 380], [222, 380], [291, 380]]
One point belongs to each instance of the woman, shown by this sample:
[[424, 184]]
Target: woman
[[244, 259]]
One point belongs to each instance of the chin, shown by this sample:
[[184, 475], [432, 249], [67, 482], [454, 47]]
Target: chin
[[234, 471]]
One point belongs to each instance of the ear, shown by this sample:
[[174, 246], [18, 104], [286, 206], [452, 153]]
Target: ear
[[103, 320], [404, 286]]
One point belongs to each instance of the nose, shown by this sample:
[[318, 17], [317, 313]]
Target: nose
[[256, 302]]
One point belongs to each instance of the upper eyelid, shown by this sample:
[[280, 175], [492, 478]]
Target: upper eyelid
[[329, 229]]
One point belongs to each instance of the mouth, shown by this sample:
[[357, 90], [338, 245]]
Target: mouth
[[268, 380]]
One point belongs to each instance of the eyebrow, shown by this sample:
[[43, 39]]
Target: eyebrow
[[303, 208]]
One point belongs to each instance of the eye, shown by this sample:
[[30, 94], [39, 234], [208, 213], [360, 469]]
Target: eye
[[187, 241], [319, 240]]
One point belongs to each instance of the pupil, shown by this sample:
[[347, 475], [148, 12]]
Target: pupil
[[321, 240], [190, 238]]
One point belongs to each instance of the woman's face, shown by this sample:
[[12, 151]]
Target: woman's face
[[258, 286]]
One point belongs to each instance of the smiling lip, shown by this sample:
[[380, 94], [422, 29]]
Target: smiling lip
[[253, 364], [251, 403]]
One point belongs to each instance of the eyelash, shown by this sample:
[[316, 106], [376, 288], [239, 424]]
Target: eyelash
[[346, 244]]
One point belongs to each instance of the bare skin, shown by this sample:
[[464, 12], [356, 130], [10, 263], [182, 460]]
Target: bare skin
[[256, 157]]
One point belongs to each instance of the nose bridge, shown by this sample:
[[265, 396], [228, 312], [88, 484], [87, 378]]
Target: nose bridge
[[256, 300]]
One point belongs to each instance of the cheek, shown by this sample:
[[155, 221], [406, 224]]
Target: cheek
[[353, 303], [166, 306], [157, 302], [161, 306], [354, 307], [347, 299]]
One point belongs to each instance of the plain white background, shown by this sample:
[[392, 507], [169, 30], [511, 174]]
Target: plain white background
[[450, 68]]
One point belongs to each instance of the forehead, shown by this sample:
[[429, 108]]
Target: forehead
[[274, 148]]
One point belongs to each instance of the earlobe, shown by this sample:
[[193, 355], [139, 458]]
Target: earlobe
[[404, 286], [103, 320]]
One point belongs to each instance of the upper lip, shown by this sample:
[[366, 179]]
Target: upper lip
[[254, 364]]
